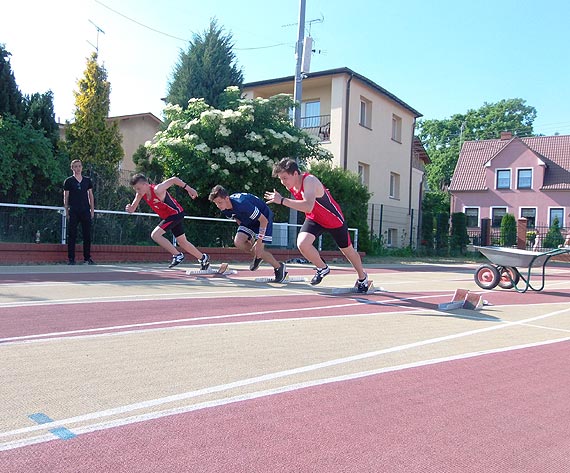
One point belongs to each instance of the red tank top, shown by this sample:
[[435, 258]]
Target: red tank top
[[326, 212], [164, 209]]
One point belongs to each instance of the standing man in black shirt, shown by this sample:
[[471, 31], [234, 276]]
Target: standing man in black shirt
[[79, 208]]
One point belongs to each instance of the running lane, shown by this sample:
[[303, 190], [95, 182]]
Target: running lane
[[504, 412]]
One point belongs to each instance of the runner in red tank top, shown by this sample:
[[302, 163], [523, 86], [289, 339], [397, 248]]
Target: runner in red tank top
[[171, 213], [323, 214]]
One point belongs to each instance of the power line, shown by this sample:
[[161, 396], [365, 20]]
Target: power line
[[154, 30]]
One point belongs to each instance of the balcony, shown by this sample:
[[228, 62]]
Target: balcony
[[319, 126]]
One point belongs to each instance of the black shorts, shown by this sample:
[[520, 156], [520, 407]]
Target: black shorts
[[174, 224], [340, 234]]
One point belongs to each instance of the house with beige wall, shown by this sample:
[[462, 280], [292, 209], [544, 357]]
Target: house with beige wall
[[369, 131], [136, 130]]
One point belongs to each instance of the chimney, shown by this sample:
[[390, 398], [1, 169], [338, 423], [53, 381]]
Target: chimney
[[506, 135]]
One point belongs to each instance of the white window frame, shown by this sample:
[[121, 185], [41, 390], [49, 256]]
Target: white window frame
[[562, 224], [497, 207], [366, 120], [311, 121], [465, 207], [396, 128], [394, 190], [497, 179], [364, 174], [389, 238], [531, 177], [529, 207]]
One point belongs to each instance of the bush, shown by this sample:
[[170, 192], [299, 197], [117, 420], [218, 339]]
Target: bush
[[554, 237], [442, 233], [508, 230], [427, 231], [459, 237]]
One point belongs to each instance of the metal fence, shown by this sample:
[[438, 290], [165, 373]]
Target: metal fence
[[395, 226], [46, 224], [536, 237]]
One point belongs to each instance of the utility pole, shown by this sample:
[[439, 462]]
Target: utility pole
[[298, 97]]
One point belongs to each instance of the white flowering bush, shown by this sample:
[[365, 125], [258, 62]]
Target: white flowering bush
[[236, 147]]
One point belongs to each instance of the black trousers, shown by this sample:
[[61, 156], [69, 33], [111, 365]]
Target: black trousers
[[75, 218]]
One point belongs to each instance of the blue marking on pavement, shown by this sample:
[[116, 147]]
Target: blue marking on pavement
[[60, 432]]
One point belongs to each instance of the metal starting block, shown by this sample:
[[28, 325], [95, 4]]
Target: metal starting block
[[285, 281], [464, 299], [221, 271]]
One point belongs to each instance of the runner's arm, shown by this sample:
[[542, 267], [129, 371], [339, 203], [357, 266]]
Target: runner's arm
[[310, 186], [135, 203], [160, 189]]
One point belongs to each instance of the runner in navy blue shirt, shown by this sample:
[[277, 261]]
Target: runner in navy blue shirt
[[255, 226]]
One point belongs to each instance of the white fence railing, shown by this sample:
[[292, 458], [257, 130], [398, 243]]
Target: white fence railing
[[280, 230]]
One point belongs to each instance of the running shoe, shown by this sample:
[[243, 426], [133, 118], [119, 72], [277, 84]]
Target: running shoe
[[176, 259], [89, 261], [255, 264], [319, 275], [280, 273], [361, 285], [204, 262]]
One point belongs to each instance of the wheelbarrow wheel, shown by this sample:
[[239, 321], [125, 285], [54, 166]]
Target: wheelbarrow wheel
[[487, 276], [507, 282]]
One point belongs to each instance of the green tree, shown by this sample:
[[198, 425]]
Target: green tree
[[459, 237], [28, 161], [91, 137], [10, 95], [39, 112], [442, 233], [508, 230], [235, 147], [553, 237], [145, 164], [350, 194], [443, 138], [205, 69]]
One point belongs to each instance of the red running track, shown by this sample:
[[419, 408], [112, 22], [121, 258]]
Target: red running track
[[504, 412]]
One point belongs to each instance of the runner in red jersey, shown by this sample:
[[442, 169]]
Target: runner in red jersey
[[171, 213], [323, 214]]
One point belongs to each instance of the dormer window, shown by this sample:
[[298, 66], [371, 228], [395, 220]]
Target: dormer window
[[503, 179], [524, 179]]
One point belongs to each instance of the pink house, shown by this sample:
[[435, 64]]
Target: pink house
[[526, 177]]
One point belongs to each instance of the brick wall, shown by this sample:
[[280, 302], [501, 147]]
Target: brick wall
[[41, 253]]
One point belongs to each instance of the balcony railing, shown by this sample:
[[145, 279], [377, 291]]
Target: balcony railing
[[319, 126]]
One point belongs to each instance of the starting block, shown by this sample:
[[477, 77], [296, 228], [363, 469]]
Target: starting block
[[464, 299], [287, 279], [353, 290], [221, 271]]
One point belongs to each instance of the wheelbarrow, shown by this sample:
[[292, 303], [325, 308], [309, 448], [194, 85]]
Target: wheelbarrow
[[504, 268]]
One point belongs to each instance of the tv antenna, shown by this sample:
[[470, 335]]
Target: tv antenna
[[310, 23], [99, 30]]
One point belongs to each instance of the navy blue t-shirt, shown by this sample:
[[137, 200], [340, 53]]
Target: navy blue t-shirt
[[247, 208]]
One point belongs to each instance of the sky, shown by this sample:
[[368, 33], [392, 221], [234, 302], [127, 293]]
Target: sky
[[442, 57]]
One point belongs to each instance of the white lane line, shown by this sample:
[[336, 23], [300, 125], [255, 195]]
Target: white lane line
[[544, 327], [270, 376], [53, 335], [248, 396]]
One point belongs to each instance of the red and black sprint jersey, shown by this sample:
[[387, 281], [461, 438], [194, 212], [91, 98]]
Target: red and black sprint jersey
[[163, 209], [326, 211]]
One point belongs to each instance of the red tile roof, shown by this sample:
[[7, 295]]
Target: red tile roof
[[469, 174]]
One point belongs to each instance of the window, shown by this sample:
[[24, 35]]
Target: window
[[503, 179], [396, 128], [556, 213], [524, 179], [391, 237], [530, 214], [394, 185], [364, 174], [497, 214], [310, 114], [365, 113], [472, 214]]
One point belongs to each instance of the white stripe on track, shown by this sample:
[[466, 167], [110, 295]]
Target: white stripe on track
[[249, 396], [271, 376]]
